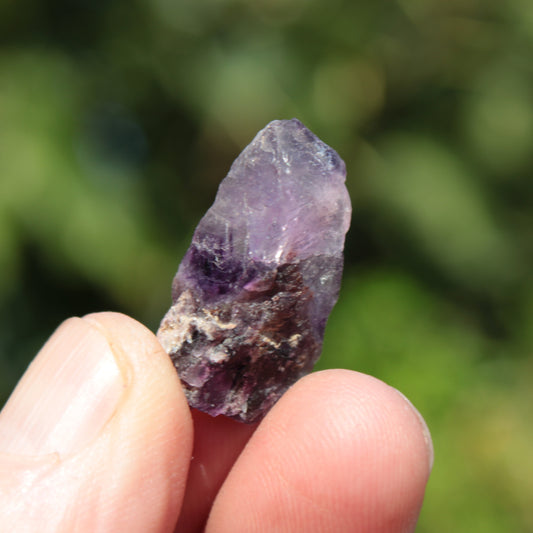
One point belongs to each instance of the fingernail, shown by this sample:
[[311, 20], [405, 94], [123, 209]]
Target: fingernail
[[425, 429], [66, 396]]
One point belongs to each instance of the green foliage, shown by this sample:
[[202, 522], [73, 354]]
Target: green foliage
[[119, 119]]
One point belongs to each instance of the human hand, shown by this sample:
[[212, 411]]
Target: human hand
[[98, 437]]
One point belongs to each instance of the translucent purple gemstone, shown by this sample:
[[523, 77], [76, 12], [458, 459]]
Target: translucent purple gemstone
[[254, 291]]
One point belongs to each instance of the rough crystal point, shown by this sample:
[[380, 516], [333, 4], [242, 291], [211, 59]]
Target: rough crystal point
[[253, 293]]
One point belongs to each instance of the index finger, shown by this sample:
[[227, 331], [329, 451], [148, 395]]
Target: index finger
[[340, 451]]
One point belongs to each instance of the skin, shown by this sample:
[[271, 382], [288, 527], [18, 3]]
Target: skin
[[341, 451]]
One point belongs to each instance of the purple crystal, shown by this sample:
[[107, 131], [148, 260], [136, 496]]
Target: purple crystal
[[254, 291]]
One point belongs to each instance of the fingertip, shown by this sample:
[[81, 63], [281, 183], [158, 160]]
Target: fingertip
[[155, 426], [424, 430], [354, 400], [341, 451]]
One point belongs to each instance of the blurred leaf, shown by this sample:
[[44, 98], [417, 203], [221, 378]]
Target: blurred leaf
[[433, 197], [499, 120]]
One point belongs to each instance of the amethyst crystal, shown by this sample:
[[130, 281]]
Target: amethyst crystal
[[253, 293]]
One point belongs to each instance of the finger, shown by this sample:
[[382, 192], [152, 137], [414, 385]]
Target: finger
[[218, 441], [341, 451], [97, 435]]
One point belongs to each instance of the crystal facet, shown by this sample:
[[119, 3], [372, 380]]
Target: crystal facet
[[254, 291]]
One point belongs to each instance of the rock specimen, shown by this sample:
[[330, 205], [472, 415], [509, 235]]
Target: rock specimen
[[253, 293]]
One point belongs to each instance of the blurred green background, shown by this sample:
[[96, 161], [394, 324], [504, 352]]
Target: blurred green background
[[119, 119]]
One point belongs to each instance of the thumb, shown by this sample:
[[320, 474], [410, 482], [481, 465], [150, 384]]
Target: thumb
[[97, 435]]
